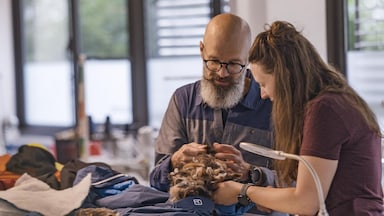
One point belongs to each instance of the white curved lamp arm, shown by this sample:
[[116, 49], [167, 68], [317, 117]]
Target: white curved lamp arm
[[279, 155]]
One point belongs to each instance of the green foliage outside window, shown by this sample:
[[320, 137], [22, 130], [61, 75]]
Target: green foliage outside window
[[104, 28], [365, 24]]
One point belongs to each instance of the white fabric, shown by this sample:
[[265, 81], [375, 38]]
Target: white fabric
[[33, 195]]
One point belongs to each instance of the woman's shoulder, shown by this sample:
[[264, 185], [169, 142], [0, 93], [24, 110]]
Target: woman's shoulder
[[331, 102], [329, 98]]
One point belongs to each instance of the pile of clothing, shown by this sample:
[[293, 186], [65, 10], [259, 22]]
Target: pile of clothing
[[33, 183]]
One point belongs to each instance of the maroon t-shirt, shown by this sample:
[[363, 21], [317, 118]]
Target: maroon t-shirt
[[334, 130]]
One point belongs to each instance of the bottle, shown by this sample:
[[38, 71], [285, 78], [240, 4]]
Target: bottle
[[109, 141], [146, 141], [10, 132]]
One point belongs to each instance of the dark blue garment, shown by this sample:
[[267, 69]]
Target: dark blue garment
[[232, 210], [195, 205], [104, 183], [134, 197], [114, 189], [201, 205], [102, 176], [137, 199]]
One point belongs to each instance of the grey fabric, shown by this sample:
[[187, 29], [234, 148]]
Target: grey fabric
[[8, 209]]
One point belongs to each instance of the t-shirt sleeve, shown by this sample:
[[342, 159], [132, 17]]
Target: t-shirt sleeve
[[324, 131]]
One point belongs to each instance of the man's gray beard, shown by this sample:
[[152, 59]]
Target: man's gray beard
[[220, 98]]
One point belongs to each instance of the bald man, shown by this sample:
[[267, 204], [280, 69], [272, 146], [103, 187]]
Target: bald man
[[217, 112]]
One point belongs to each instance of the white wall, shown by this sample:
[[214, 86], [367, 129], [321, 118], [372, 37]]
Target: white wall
[[7, 80], [307, 15], [254, 12]]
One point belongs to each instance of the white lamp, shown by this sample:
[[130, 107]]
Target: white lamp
[[279, 155]]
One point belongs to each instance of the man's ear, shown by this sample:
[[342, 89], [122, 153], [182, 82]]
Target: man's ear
[[201, 49]]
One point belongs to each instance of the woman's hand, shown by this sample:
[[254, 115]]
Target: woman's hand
[[227, 192]]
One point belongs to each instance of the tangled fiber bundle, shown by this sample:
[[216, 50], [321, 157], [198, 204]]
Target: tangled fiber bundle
[[198, 178], [96, 212]]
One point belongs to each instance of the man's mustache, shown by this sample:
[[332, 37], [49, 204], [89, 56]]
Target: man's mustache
[[221, 79]]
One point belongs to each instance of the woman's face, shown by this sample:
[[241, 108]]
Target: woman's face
[[266, 81]]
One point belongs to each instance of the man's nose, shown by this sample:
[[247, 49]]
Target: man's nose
[[223, 72]]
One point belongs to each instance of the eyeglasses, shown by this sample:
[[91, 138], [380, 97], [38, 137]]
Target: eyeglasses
[[215, 66]]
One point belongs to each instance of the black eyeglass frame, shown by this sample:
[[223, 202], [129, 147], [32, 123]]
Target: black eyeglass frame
[[221, 66]]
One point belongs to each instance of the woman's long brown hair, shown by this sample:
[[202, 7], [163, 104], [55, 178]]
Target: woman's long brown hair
[[300, 75]]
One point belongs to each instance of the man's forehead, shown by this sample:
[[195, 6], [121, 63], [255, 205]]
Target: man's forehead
[[225, 52]]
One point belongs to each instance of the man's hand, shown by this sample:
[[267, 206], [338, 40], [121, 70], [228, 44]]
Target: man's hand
[[186, 153], [233, 159]]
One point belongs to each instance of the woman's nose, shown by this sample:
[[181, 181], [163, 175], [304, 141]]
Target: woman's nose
[[263, 94]]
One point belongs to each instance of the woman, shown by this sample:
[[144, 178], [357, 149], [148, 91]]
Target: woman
[[318, 115]]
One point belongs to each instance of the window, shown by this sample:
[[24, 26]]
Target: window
[[105, 42], [365, 25], [174, 53], [47, 69], [177, 26], [365, 52], [124, 41]]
